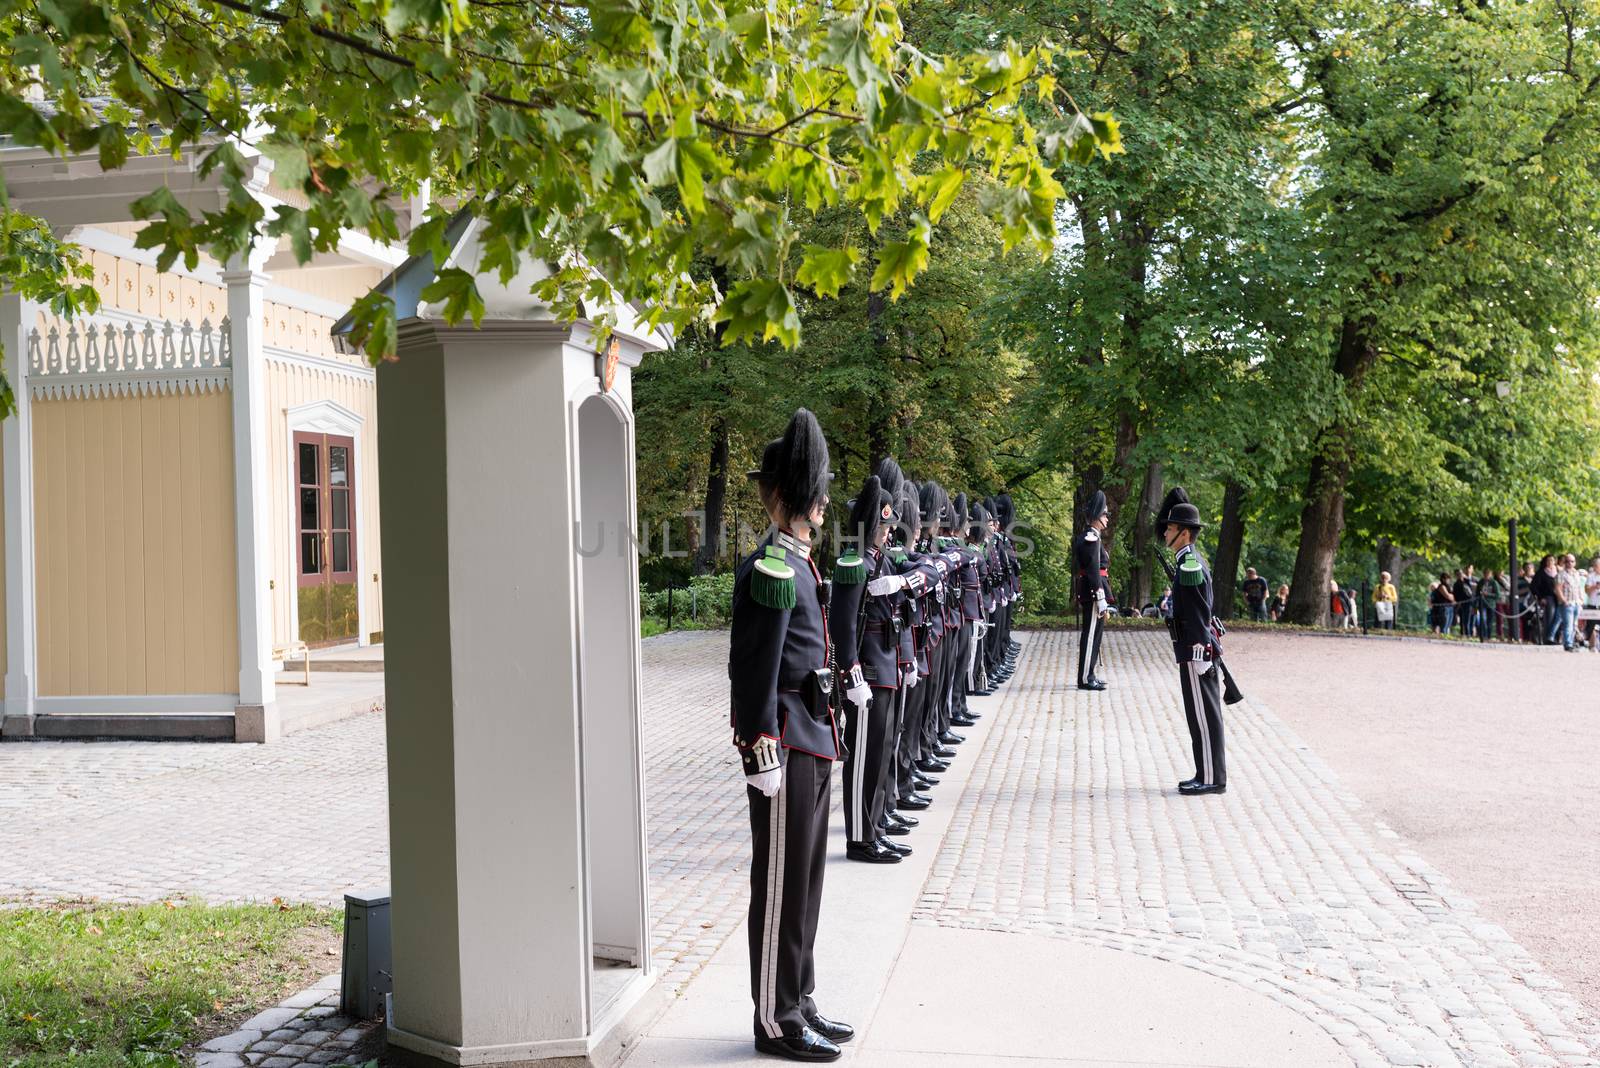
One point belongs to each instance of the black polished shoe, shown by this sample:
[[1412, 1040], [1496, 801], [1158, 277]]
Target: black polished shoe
[[1188, 784], [903, 820], [915, 802], [935, 766], [944, 755], [923, 782], [897, 830], [1092, 684], [1191, 789], [803, 1045], [967, 720], [873, 852], [951, 737], [895, 847], [831, 1030]]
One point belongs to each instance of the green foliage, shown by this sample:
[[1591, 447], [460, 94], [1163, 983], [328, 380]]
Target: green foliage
[[614, 139], [102, 986]]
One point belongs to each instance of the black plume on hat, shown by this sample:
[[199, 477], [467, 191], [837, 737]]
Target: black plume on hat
[[959, 508], [910, 509], [1004, 510], [1096, 506], [866, 512], [890, 475], [977, 524], [931, 504], [1175, 496], [795, 466]]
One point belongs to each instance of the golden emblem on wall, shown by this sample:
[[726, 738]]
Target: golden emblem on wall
[[606, 365]]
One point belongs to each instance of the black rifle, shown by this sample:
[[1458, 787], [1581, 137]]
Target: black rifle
[[1231, 694]]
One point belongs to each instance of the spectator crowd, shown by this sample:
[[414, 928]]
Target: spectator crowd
[[1549, 602]]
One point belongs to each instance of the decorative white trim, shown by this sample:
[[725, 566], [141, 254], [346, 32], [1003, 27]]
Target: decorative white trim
[[98, 240], [92, 358], [329, 417], [361, 372], [549, 1049], [180, 704]]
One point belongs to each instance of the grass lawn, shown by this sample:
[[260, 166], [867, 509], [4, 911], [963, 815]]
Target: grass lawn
[[88, 985]]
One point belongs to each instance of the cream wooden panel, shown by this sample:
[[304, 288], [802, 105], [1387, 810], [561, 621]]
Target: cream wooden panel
[[133, 501], [105, 276], [169, 306], [127, 295], [149, 290], [290, 386]]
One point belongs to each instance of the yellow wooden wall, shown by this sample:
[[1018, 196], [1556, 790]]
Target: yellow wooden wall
[[134, 514], [290, 385]]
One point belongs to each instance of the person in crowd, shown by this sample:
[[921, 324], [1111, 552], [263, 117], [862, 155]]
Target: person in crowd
[[1591, 605], [1464, 590], [1165, 606], [1255, 595], [1543, 588], [1385, 601], [1490, 592], [1525, 606], [1442, 603], [1279, 602], [1570, 593], [1336, 604]]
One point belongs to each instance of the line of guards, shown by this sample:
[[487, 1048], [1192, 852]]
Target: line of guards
[[873, 668]]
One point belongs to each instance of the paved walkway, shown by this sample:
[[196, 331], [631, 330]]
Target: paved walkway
[[1064, 906]]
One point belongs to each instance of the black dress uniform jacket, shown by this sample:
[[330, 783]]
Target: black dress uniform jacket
[[773, 653], [1088, 575], [1191, 607]]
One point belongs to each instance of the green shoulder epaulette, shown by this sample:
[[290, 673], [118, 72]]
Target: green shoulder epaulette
[[849, 571], [898, 556], [1190, 573], [772, 581]]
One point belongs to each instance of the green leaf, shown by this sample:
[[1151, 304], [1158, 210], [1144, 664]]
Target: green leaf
[[899, 262], [759, 308], [458, 291], [942, 189], [661, 163], [827, 270], [290, 164]]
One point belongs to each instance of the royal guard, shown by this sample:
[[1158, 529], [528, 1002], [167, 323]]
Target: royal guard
[[1196, 644], [1089, 583], [908, 783], [969, 609], [783, 697], [868, 646]]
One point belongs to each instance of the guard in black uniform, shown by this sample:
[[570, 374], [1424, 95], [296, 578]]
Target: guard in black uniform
[[867, 647], [1197, 646], [1089, 582], [782, 689]]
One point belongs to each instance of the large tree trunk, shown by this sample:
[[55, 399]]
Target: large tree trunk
[[1391, 559], [705, 560], [1322, 516], [1141, 573], [1230, 547]]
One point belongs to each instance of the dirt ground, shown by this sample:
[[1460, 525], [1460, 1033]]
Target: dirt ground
[[1487, 758]]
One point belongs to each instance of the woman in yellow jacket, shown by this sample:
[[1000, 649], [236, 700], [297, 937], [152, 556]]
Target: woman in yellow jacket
[[1387, 601]]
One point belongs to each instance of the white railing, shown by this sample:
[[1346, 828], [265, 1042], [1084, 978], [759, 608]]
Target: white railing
[[89, 358]]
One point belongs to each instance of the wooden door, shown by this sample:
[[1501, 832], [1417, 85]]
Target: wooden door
[[325, 537]]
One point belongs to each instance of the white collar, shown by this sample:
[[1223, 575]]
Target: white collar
[[792, 544]]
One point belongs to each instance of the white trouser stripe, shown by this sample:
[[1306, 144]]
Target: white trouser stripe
[[972, 656], [1088, 647], [858, 757], [1200, 717], [769, 953]]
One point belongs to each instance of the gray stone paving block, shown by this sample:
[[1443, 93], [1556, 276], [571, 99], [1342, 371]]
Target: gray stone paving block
[[218, 1059], [235, 1042]]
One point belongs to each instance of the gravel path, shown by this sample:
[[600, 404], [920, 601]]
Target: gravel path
[[1483, 757]]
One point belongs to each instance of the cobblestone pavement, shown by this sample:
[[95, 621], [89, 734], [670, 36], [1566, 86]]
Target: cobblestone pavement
[[1071, 827]]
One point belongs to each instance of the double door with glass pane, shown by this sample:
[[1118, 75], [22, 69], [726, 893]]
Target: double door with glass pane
[[325, 543]]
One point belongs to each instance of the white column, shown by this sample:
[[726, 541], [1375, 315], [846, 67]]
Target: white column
[[17, 317], [256, 718]]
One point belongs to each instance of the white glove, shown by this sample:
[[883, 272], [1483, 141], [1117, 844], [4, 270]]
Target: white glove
[[860, 695], [1197, 653], [887, 584], [912, 679], [1100, 604], [768, 782]]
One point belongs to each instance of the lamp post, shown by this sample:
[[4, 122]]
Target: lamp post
[[1514, 620]]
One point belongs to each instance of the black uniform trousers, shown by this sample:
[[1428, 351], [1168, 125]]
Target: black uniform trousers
[[1202, 704], [887, 779], [911, 732], [904, 752], [932, 705], [954, 677], [789, 832], [1089, 642], [869, 738]]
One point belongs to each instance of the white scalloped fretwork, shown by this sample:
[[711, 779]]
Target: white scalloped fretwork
[[96, 359]]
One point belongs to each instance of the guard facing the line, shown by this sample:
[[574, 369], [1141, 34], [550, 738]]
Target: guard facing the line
[[1197, 648], [1089, 581], [782, 690]]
